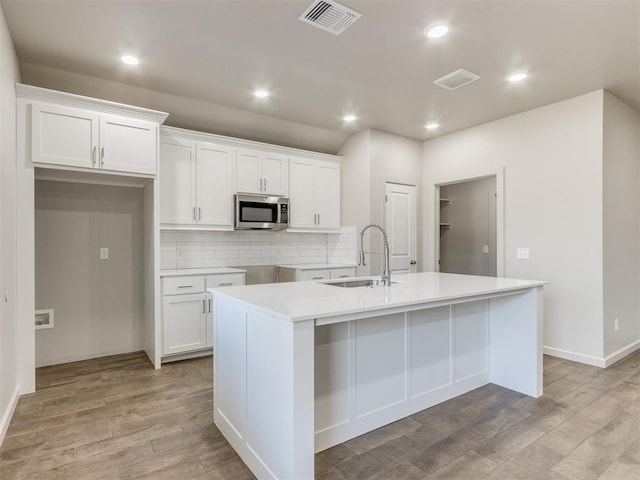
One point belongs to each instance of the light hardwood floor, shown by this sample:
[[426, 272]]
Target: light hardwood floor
[[118, 418]]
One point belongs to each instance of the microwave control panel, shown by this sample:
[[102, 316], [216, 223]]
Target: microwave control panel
[[284, 213]]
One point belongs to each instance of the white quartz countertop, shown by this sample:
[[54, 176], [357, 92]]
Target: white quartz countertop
[[200, 271], [296, 301], [316, 266]]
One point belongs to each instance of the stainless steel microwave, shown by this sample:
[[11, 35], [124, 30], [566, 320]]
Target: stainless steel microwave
[[261, 212]]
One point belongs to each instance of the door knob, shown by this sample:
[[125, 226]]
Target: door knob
[[413, 262]]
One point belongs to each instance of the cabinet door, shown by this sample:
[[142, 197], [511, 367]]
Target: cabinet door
[[274, 174], [328, 195], [214, 185], [184, 323], [248, 171], [128, 145], [63, 136], [177, 181], [209, 319], [302, 201]]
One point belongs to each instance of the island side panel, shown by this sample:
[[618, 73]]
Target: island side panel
[[373, 371], [263, 389], [515, 342], [230, 367]]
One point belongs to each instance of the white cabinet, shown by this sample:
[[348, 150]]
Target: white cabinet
[[196, 184], [261, 173], [184, 323], [75, 137], [314, 195], [187, 310], [301, 273]]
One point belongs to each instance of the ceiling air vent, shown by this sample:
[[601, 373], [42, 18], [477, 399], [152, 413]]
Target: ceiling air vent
[[329, 16], [456, 79]]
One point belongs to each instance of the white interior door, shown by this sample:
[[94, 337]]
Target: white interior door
[[400, 224]]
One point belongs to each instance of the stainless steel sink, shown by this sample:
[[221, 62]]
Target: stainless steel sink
[[367, 282]]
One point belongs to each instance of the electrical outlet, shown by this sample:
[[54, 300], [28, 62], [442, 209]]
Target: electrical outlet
[[522, 253], [616, 325], [104, 253]]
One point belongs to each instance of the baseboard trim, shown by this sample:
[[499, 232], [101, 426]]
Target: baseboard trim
[[590, 360], [623, 352], [8, 414], [575, 357], [88, 356]]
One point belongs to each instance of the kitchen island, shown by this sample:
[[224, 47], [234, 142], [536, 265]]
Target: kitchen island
[[300, 367]]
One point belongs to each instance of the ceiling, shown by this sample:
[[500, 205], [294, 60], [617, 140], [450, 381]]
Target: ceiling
[[215, 53]]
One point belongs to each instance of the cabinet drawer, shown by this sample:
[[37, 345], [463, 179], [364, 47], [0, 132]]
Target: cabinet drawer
[[180, 285], [343, 273], [324, 274], [224, 280]]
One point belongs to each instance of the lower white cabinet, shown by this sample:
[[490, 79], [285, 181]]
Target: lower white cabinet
[[184, 319], [187, 310]]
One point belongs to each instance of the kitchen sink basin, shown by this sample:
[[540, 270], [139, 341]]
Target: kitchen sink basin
[[366, 282]]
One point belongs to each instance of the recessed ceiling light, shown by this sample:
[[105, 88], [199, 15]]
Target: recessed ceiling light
[[516, 76], [261, 93], [349, 118], [432, 126], [437, 30], [130, 59]]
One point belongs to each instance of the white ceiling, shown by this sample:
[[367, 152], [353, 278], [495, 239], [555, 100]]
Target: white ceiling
[[382, 68]]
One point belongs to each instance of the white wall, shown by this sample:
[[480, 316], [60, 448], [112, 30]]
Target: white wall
[[9, 75], [399, 160], [356, 184], [98, 304], [371, 158], [621, 225], [552, 160]]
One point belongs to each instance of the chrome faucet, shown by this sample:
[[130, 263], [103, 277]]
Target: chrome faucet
[[386, 273]]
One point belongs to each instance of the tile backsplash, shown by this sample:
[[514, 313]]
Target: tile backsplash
[[193, 249]]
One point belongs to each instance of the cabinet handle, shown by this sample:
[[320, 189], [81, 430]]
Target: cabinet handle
[[102, 157], [93, 156], [204, 305], [227, 284], [199, 213], [317, 278], [260, 184], [318, 219], [315, 218], [209, 305], [343, 276], [185, 286], [193, 217], [265, 184]]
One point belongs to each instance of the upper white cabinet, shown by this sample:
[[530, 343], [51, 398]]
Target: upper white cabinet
[[64, 135], [128, 145], [68, 136], [196, 184], [261, 173], [314, 195]]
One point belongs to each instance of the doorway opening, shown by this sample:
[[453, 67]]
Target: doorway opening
[[467, 212]]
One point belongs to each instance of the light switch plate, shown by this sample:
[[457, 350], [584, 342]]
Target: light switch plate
[[104, 253], [522, 253], [485, 249]]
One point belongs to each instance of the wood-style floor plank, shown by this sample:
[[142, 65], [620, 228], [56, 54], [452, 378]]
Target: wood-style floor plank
[[116, 418]]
